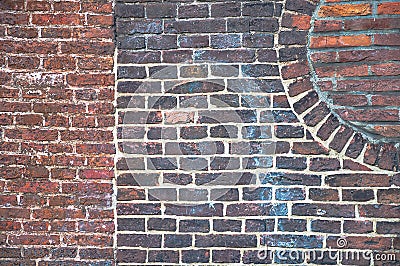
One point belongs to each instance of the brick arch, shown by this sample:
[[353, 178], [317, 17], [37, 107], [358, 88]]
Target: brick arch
[[359, 150]]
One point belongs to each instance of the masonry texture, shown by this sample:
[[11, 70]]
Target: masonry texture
[[155, 132], [56, 132]]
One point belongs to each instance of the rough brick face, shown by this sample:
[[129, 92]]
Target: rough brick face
[[57, 180], [358, 69], [244, 131]]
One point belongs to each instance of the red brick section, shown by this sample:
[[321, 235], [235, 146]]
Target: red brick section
[[355, 54], [56, 148]]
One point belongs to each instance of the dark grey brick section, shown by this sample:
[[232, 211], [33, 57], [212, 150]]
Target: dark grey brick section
[[214, 159]]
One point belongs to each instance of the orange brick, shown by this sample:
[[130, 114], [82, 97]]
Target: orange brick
[[389, 8], [340, 41], [357, 40], [302, 22], [345, 10]]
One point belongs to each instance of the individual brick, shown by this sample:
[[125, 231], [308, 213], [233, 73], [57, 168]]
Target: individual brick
[[293, 163], [258, 40], [177, 241], [261, 9], [357, 195], [223, 41], [170, 256], [225, 10], [289, 131], [125, 10], [196, 255], [161, 10], [324, 164], [345, 10], [227, 225], [323, 210], [357, 227], [196, 26], [300, 242], [202, 226], [219, 240], [226, 256], [193, 11], [326, 226]]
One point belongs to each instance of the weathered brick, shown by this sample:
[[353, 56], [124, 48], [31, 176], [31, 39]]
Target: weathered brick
[[345, 10], [323, 209], [161, 10], [389, 8], [196, 26], [193, 11], [225, 10], [202, 226], [226, 256], [196, 255], [177, 241], [219, 240], [341, 41], [358, 180], [166, 256], [300, 241], [357, 227]]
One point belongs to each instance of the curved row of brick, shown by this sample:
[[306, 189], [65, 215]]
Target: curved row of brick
[[343, 137]]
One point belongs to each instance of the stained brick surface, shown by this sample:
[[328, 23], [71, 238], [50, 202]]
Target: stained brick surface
[[57, 120]]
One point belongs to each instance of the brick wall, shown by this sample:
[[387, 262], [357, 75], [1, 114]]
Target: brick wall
[[355, 53], [249, 132], [56, 116]]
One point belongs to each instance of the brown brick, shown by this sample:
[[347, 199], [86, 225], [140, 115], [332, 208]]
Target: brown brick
[[362, 242], [357, 227], [100, 20], [324, 164], [57, 19], [23, 62], [389, 8], [370, 115], [302, 22], [387, 39], [324, 210], [328, 25], [388, 195], [358, 180], [12, 5], [318, 194], [345, 10]]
